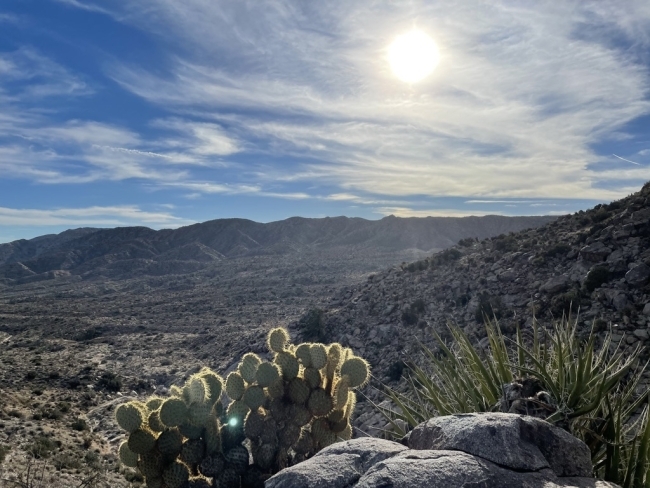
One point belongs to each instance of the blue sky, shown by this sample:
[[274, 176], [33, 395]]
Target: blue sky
[[168, 112]]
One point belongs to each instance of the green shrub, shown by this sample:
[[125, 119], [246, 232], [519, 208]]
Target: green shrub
[[595, 390], [596, 277], [312, 325], [109, 381], [489, 306], [3, 452], [558, 250]]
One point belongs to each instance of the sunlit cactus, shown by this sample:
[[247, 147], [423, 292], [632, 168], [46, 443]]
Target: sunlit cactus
[[279, 412]]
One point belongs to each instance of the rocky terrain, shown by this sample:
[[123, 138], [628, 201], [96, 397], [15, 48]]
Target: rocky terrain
[[91, 317], [596, 261], [113, 325]]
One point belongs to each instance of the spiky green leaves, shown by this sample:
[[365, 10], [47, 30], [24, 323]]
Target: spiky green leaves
[[173, 412], [130, 416], [357, 370], [278, 339]]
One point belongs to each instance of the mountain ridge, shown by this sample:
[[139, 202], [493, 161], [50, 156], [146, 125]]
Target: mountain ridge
[[79, 251]]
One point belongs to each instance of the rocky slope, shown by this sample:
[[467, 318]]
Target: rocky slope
[[598, 260], [132, 251]]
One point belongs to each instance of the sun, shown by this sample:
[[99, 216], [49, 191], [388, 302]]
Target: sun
[[413, 56]]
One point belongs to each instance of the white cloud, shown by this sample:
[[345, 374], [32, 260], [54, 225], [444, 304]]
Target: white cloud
[[438, 212], [512, 111], [120, 215]]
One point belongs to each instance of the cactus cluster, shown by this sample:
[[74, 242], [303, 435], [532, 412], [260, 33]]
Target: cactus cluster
[[280, 412]]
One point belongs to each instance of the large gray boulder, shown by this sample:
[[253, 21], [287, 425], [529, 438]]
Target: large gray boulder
[[470, 451], [513, 441]]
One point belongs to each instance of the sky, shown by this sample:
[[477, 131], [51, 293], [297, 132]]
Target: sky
[[164, 113]]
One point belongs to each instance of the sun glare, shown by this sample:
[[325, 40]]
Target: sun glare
[[413, 56]]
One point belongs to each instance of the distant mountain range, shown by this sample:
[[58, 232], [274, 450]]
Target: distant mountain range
[[82, 251]]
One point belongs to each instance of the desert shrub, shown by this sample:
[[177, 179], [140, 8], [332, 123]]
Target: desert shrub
[[565, 303], [505, 243], [396, 369], [109, 381], [3, 452], [600, 215], [467, 242], [79, 425], [313, 324], [409, 317], [417, 266], [446, 256], [41, 447], [30, 375], [558, 250], [596, 277], [418, 306], [596, 390]]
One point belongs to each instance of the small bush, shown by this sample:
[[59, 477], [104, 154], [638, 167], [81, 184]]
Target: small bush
[[42, 447], [109, 381], [467, 242], [596, 277], [396, 369], [409, 317], [558, 250], [312, 324], [489, 306], [3, 452], [31, 375], [565, 303], [79, 425]]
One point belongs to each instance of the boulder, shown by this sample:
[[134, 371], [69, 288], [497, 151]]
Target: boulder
[[595, 252], [555, 284], [513, 441], [638, 275], [494, 450]]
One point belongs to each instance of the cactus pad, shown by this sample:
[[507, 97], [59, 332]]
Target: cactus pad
[[127, 456], [170, 442], [248, 366], [302, 353], [267, 374], [214, 383], [298, 391], [151, 465], [129, 416], [173, 412], [238, 458], [312, 377], [288, 363], [319, 403], [141, 441], [318, 355], [193, 451], [212, 466], [278, 339], [254, 397], [235, 386], [176, 475], [357, 370], [198, 389]]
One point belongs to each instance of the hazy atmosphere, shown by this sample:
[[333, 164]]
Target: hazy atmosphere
[[163, 113]]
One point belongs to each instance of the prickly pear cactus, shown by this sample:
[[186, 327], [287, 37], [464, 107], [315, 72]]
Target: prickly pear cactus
[[280, 412]]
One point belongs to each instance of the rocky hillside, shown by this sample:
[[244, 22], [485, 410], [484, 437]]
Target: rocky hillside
[[598, 260], [134, 251]]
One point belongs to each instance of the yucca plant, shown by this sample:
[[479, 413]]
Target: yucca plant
[[594, 388]]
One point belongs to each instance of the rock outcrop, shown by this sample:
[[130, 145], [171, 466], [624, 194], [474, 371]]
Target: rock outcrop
[[494, 450]]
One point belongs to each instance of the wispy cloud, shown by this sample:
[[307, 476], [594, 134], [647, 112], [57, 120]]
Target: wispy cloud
[[513, 110], [438, 212], [103, 216]]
